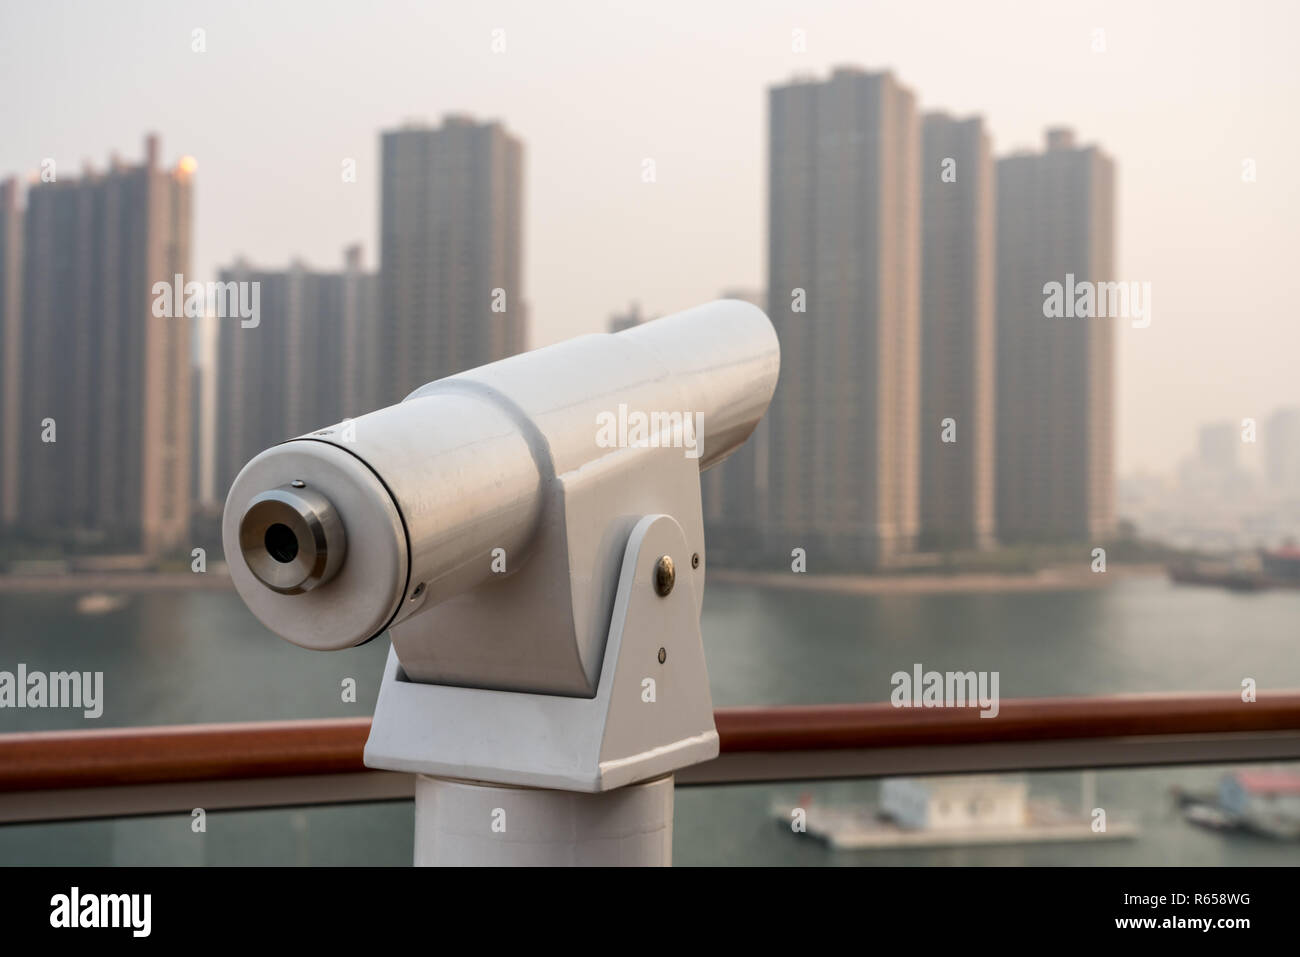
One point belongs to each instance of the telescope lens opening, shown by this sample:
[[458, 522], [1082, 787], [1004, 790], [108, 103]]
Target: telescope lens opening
[[292, 539], [281, 543]]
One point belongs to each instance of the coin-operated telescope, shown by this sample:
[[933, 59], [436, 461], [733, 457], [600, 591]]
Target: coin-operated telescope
[[530, 535]]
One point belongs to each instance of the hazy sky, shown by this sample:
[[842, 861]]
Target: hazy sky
[[286, 91]]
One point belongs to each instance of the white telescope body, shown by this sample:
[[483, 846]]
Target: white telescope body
[[483, 520]]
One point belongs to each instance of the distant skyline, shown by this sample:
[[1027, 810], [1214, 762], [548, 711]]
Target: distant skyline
[[284, 94]]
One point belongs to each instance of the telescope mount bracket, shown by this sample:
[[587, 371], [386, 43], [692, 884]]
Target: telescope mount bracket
[[651, 713]]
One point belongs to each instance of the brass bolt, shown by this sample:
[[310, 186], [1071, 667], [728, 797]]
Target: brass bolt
[[665, 576]]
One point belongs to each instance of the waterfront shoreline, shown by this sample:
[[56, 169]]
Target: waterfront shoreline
[[1047, 579], [116, 582]]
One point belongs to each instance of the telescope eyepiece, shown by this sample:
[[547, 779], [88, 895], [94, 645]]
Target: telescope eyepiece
[[292, 538]]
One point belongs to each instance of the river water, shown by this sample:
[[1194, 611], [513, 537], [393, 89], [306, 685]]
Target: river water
[[183, 657]]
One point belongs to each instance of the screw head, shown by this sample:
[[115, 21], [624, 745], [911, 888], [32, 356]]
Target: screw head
[[663, 655], [298, 483], [695, 560], [665, 576]]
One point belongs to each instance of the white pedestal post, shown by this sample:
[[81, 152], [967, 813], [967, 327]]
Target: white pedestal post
[[462, 823]]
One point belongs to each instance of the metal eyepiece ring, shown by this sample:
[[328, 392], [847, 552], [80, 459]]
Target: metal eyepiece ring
[[292, 539]]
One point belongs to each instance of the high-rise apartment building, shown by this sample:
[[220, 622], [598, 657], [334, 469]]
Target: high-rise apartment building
[[1281, 441], [1217, 445], [360, 391], [104, 448], [306, 363], [11, 358], [734, 493], [844, 263], [618, 321], [1055, 376], [958, 288], [451, 253]]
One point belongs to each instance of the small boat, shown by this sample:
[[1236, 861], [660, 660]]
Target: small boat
[[1281, 565], [1260, 801], [1209, 816], [99, 603], [1267, 568], [950, 812], [1230, 575]]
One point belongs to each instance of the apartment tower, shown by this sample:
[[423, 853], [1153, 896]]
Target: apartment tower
[[11, 356], [957, 334], [307, 363], [451, 235], [844, 270], [1055, 376], [104, 443]]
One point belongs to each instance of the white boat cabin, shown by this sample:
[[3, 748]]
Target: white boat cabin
[[956, 803]]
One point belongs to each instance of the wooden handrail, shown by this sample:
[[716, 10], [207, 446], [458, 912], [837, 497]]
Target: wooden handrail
[[830, 727], [109, 757], [113, 757]]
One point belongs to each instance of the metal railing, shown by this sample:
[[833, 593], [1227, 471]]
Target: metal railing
[[118, 772]]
